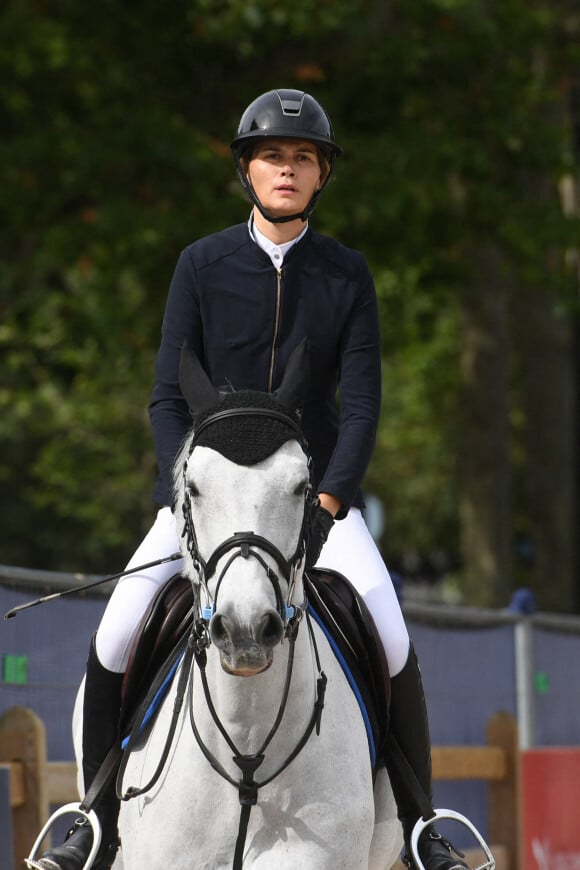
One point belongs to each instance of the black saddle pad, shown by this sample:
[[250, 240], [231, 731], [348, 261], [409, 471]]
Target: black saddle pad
[[333, 598]]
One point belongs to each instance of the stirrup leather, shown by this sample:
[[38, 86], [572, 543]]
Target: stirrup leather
[[90, 816], [422, 824]]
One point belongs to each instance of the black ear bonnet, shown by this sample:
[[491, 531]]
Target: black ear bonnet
[[246, 438]]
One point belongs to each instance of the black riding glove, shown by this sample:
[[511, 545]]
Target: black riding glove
[[321, 523]]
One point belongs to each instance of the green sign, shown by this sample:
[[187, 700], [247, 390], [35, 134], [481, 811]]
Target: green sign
[[15, 669]]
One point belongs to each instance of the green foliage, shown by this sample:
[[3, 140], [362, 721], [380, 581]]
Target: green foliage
[[417, 439], [104, 179], [116, 122]]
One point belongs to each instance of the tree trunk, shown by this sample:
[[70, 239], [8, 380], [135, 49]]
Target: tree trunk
[[484, 462], [544, 340]]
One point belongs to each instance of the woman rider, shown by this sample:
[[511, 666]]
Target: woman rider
[[243, 299]]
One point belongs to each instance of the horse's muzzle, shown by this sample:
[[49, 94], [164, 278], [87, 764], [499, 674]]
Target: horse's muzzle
[[248, 650]]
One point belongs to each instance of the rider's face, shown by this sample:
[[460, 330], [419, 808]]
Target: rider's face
[[284, 173]]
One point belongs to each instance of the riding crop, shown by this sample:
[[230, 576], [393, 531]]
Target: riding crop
[[45, 598]]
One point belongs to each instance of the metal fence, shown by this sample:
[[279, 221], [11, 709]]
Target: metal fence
[[474, 662]]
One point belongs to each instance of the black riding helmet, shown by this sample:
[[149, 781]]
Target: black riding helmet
[[287, 114]]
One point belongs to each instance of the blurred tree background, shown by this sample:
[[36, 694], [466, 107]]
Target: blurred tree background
[[460, 122]]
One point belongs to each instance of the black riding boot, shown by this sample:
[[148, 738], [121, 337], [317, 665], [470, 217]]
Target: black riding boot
[[409, 725], [101, 707]]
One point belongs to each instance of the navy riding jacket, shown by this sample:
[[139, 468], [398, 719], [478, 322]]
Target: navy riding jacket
[[243, 318]]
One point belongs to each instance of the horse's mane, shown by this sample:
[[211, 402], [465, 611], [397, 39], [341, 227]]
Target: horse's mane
[[247, 439]]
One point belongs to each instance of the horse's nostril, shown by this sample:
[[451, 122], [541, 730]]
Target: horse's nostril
[[270, 629], [219, 630]]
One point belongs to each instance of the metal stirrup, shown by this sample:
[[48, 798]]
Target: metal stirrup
[[422, 824], [92, 819]]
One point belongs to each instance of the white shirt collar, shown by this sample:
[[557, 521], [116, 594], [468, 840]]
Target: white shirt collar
[[275, 252]]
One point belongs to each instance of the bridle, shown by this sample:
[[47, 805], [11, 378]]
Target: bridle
[[246, 544]]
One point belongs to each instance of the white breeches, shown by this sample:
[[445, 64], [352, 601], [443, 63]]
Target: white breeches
[[350, 550]]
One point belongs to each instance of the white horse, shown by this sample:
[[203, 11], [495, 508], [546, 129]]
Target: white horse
[[308, 801]]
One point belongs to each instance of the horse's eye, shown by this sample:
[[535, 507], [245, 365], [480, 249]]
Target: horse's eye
[[192, 490], [301, 488]]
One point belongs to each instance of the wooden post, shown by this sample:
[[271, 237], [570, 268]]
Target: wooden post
[[504, 822], [23, 740], [6, 850]]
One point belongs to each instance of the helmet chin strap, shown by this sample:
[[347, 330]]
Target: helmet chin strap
[[273, 219], [281, 220]]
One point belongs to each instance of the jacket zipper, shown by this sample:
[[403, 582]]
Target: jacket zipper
[[276, 328]]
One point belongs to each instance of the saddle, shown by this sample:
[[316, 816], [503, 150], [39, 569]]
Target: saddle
[[163, 630], [333, 603]]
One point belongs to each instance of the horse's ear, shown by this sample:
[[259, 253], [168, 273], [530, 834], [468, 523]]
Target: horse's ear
[[292, 391], [197, 389]]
